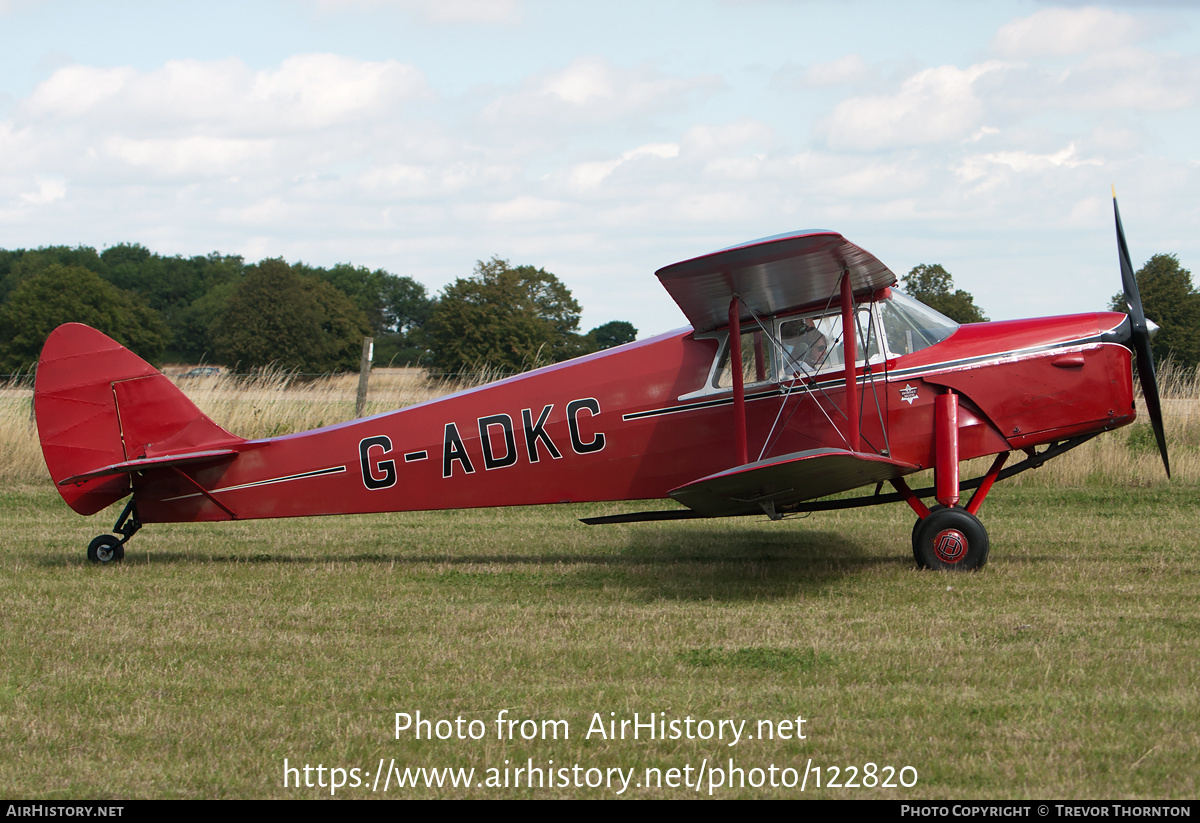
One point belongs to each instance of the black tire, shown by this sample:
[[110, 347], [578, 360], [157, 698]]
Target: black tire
[[106, 549], [917, 525], [951, 540]]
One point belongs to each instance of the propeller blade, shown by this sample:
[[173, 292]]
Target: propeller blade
[[1140, 337]]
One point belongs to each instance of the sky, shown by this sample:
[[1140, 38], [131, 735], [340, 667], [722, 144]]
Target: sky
[[602, 141]]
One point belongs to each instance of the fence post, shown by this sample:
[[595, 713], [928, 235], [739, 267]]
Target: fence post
[[364, 375]]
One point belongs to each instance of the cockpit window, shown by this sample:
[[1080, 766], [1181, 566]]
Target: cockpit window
[[800, 346], [910, 326], [758, 361], [814, 344]]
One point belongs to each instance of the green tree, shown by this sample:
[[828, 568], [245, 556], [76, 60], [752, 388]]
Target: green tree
[[60, 294], [503, 317], [276, 316], [613, 333], [20, 265], [1169, 298], [397, 307], [933, 286], [216, 279]]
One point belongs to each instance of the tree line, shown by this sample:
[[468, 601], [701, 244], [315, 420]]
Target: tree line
[[217, 308]]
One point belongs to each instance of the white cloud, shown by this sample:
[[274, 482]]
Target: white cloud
[[190, 156], [977, 166], [1123, 79], [73, 90], [935, 105], [1058, 32], [47, 191], [1131, 79], [585, 176], [308, 91], [593, 89], [526, 209], [605, 165], [432, 180]]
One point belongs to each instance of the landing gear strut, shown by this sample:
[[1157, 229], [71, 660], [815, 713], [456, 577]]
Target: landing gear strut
[[108, 548], [949, 536]]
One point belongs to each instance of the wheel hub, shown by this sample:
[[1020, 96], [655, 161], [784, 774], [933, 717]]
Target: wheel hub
[[950, 545]]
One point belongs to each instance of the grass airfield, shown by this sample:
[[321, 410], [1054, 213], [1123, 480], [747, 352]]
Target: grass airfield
[[1067, 668]]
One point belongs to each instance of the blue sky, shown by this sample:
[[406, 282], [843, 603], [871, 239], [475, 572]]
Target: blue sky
[[603, 141]]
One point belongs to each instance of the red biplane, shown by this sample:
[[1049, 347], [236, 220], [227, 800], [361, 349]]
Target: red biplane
[[805, 374]]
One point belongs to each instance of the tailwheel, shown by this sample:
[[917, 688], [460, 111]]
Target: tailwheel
[[106, 549], [951, 539]]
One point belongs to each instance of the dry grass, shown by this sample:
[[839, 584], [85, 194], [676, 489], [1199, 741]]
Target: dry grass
[[273, 403], [20, 454]]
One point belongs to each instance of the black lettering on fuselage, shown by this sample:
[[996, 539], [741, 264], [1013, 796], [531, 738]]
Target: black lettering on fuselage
[[498, 439], [490, 460], [453, 449], [589, 404], [379, 475], [535, 432]]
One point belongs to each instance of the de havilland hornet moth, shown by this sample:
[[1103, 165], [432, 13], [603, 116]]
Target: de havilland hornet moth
[[838, 381]]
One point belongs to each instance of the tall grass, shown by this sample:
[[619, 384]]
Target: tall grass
[[275, 402], [20, 455]]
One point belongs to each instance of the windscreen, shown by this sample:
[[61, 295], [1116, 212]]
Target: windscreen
[[910, 326]]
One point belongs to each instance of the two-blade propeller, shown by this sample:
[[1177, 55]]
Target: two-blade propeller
[[1140, 339]]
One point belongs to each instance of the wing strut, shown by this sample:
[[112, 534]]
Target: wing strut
[[739, 387], [850, 356]]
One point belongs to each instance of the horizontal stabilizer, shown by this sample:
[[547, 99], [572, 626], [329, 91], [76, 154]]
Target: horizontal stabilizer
[[150, 463], [777, 482]]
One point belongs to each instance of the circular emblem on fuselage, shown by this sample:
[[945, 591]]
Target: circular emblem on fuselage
[[950, 545]]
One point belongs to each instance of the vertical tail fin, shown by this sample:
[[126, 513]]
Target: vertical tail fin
[[98, 404]]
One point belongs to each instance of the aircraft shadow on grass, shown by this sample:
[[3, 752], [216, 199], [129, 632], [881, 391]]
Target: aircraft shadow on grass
[[696, 565]]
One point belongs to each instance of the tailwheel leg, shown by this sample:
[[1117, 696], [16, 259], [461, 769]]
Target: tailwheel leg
[[109, 548]]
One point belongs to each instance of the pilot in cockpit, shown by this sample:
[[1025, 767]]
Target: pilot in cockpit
[[806, 351]]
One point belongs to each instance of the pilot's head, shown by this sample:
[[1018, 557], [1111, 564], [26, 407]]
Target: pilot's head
[[816, 349]]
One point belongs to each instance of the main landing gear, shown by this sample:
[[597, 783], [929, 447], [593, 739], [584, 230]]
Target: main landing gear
[[951, 539], [109, 548], [949, 536]]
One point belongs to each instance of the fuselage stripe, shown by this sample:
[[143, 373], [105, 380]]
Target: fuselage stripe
[[290, 477]]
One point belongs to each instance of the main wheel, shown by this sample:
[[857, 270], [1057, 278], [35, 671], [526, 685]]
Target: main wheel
[[917, 525], [952, 539], [106, 549]]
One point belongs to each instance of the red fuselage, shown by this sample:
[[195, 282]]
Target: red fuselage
[[613, 426]]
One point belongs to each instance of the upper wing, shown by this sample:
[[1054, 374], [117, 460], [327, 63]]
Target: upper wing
[[770, 275], [777, 482]]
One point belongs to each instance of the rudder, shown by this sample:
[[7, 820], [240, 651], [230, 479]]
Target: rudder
[[97, 404]]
